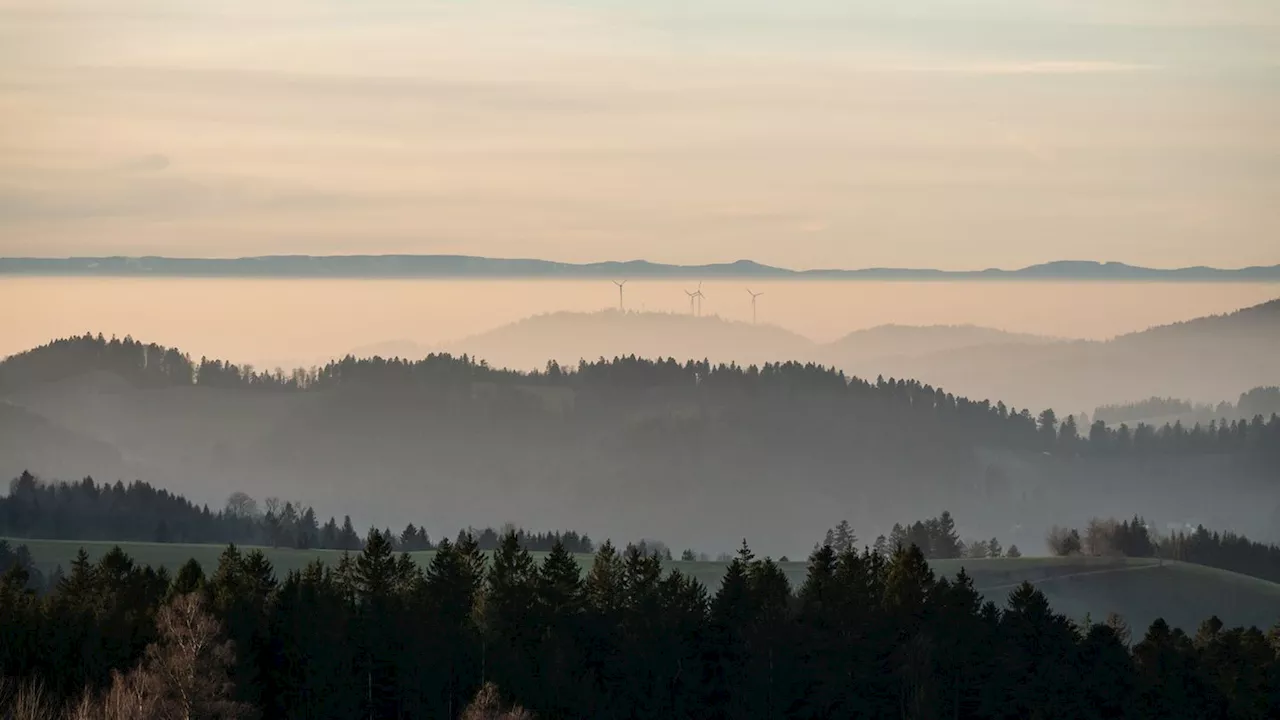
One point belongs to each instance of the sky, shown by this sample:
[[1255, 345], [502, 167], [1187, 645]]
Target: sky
[[809, 133]]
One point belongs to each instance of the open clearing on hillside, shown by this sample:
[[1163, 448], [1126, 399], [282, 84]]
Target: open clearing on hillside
[[1139, 590]]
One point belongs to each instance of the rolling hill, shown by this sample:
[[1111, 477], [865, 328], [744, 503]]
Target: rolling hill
[[1138, 590], [882, 346], [29, 439], [1024, 370], [569, 337], [462, 266], [650, 450], [1205, 360]]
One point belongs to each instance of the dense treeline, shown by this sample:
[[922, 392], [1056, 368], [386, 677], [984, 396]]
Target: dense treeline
[[20, 557], [1224, 550], [1263, 401], [151, 365], [1134, 538], [936, 538], [138, 512], [378, 637]]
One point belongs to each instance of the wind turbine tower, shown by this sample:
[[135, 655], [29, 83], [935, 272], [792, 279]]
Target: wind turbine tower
[[754, 295], [700, 296], [622, 307]]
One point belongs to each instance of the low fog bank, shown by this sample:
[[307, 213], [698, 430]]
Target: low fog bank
[[692, 477]]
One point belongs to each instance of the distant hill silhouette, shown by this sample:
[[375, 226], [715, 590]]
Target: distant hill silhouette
[[461, 266], [887, 342], [1207, 359], [1023, 369], [568, 337]]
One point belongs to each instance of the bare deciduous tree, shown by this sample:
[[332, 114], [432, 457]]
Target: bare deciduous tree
[[26, 701], [1097, 537], [273, 505], [242, 506], [487, 705], [191, 662], [977, 549], [132, 696], [184, 675], [1063, 541]]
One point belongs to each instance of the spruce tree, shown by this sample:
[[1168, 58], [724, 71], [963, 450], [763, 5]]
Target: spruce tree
[[347, 538], [508, 622], [881, 546], [994, 548], [945, 542], [844, 538]]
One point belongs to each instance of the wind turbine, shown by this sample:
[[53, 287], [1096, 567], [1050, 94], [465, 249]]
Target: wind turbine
[[700, 296], [754, 295], [693, 297], [621, 305]]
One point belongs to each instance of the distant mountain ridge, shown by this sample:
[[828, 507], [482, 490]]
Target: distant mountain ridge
[[462, 266]]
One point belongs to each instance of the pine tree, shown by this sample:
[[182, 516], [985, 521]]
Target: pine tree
[[377, 581], [945, 542], [190, 579], [375, 570], [508, 625], [79, 586], [347, 538], [329, 536], [409, 538], [308, 530], [845, 540], [898, 537]]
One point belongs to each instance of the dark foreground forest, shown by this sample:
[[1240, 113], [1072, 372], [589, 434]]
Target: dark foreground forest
[[377, 637]]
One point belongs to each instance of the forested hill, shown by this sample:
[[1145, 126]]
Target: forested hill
[[686, 451]]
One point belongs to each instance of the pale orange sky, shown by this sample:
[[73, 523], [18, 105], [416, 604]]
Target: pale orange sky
[[807, 133]]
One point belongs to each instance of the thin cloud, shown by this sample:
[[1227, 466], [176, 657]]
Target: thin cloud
[[145, 163], [1045, 67]]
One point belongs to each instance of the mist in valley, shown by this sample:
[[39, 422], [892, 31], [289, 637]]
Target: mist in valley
[[515, 359], [690, 453]]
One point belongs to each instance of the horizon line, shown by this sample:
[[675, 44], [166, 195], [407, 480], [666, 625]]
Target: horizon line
[[78, 265]]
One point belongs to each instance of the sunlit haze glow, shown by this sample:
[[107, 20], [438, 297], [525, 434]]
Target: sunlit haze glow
[[300, 322], [955, 134]]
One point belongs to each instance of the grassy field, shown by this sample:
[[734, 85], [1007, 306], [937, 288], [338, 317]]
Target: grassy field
[[1140, 590]]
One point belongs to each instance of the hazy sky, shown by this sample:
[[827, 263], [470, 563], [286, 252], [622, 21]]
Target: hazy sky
[[948, 133]]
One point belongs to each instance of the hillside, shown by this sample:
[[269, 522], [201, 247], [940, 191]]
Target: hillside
[[871, 351], [1138, 590], [29, 440], [569, 337], [692, 453], [1204, 360], [1021, 369]]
